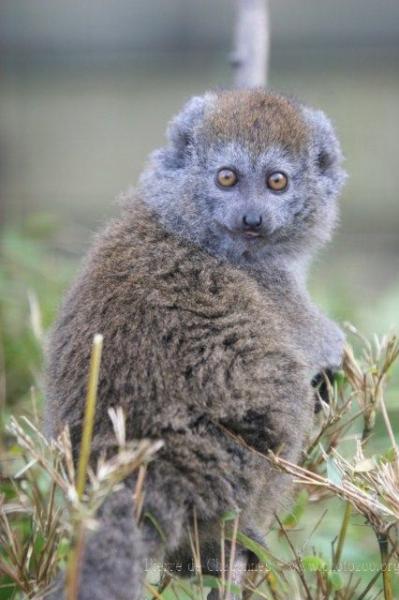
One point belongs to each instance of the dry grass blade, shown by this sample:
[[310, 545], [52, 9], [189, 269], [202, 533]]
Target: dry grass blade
[[298, 563], [32, 562], [44, 498]]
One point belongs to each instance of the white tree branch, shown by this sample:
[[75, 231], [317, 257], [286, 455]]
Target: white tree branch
[[251, 44]]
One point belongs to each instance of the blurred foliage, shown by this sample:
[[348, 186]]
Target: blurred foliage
[[32, 277]]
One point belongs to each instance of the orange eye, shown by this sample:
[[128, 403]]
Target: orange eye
[[277, 181], [226, 178]]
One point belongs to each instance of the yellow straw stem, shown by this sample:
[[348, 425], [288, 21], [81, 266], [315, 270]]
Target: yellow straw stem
[[342, 536], [91, 398], [386, 575], [72, 578]]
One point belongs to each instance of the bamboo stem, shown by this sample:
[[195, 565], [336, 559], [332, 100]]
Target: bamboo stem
[[386, 575], [342, 535], [75, 556], [88, 425]]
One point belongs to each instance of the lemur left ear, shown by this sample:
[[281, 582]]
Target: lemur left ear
[[181, 130], [325, 149]]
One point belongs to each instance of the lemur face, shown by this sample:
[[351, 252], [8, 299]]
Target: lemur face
[[254, 201], [248, 174]]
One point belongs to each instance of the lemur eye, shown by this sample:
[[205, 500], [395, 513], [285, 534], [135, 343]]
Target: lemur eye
[[277, 181], [226, 178]]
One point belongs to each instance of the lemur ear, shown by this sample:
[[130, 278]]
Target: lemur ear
[[181, 130], [325, 149]]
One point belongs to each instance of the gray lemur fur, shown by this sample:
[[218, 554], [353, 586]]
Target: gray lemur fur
[[210, 338]]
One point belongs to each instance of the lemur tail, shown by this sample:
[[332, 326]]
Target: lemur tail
[[251, 45], [114, 558]]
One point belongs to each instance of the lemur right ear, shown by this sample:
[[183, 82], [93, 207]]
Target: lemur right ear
[[325, 150], [181, 130]]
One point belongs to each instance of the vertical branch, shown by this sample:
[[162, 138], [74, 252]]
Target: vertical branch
[[251, 44]]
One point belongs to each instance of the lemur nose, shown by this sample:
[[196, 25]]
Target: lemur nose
[[252, 221]]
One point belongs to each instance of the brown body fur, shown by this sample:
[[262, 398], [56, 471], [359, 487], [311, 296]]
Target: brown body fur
[[192, 346]]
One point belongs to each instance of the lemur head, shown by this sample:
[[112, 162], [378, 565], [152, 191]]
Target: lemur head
[[247, 175]]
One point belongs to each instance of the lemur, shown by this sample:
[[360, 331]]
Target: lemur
[[211, 340]]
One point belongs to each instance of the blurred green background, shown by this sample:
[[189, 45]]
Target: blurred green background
[[86, 91]]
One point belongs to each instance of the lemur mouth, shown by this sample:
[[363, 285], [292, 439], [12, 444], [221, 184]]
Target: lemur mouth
[[251, 235]]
